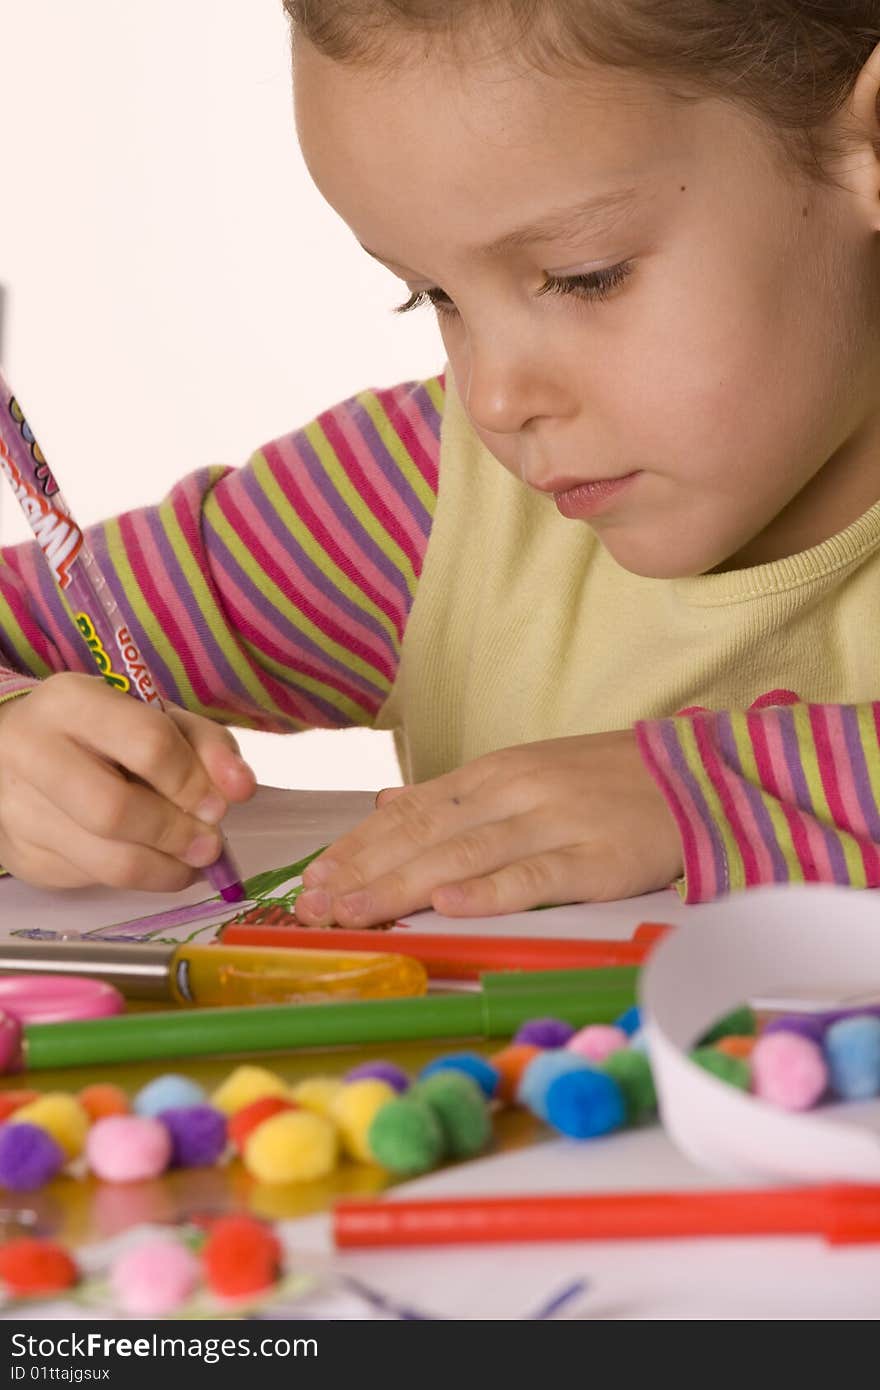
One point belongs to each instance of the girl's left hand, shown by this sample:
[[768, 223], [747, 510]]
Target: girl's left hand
[[565, 820]]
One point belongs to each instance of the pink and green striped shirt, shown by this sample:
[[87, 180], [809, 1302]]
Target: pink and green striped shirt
[[276, 596]]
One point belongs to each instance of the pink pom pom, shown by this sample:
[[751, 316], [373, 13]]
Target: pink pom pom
[[789, 1071], [154, 1279], [597, 1041], [128, 1148]]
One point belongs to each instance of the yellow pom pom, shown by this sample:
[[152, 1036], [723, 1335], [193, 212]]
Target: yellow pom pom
[[294, 1146], [317, 1093], [354, 1108], [244, 1085], [60, 1115]]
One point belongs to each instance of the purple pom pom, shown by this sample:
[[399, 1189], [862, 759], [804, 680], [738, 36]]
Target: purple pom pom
[[545, 1032], [198, 1135], [805, 1025], [381, 1071], [29, 1157]]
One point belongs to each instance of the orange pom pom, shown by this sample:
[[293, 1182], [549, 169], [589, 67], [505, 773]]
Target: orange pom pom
[[102, 1099], [241, 1256], [510, 1063], [31, 1266], [243, 1122], [736, 1045], [10, 1101]]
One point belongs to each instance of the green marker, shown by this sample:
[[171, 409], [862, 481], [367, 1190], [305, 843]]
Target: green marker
[[506, 1000]]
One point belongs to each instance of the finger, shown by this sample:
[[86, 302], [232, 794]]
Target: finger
[[540, 880], [474, 851], [218, 752], [144, 741], [397, 831], [108, 806], [386, 793], [86, 858]]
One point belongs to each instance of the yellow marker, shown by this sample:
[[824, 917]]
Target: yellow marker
[[214, 974]]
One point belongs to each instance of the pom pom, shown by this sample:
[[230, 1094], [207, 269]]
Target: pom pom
[[544, 1032], [244, 1122], [789, 1071], [169, 1092], [244, 1085], [461, 1109], [353, 1111], [639, 1042], [540, 1073], [406, 1137], [805, 1025], [597, 1041], [742, 1022], [852, 1048], [102, 1099], [510, 1063], [292, 1146], [154, 1279], [29, 1157], [380, 1071], [240, 1256], [198, 1135], [733, 1071], [584, 1104], [631, 1021], [632, 1072], [60, 1115], [10, 1101], [472, 1065], [735, 1046], [29, 1266], [128, 1148], [317, 1093]]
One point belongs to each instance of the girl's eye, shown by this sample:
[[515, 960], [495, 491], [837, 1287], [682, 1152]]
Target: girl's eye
[[595, 286]]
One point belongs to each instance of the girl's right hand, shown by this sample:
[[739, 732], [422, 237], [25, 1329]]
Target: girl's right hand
[[100, 788]]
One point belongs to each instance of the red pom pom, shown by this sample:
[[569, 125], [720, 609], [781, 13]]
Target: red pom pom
[[244, 1121], [10, 1101], [241, 1256], [30, 1266]]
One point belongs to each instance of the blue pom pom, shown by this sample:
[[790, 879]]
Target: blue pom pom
[[29, 1157], [170, 1092], [852, 1048], [585, 1104], [631, 1021], [541, 1072], [477, 1068]]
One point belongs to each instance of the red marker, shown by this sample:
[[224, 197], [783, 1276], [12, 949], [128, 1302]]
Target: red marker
[[841, 1214], [454, 957]]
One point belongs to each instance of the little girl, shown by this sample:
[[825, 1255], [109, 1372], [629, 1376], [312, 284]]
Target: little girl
[[611, 576]]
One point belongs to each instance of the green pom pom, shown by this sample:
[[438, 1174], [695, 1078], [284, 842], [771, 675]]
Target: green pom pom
[[406, 1136], [461, 1111], [632, 1072], [733, 1070], [741, 1023]]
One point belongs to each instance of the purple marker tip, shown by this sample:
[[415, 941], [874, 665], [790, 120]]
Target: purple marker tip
[[225, 877]]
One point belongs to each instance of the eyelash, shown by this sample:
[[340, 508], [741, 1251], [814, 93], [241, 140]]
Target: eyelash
[[594, 287]]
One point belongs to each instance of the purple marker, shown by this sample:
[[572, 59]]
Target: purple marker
[[75, 571]]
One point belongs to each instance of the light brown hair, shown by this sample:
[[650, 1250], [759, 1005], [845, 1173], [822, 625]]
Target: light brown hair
[[792, 63]]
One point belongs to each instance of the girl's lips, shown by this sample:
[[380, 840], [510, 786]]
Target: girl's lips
[[588, 498]]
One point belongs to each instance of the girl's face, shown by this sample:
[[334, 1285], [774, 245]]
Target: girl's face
[[724, 344]]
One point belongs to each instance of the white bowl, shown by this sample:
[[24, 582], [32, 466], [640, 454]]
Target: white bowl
[[819, 942]]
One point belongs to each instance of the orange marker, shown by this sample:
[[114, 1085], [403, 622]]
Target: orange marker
[[842, 1214]]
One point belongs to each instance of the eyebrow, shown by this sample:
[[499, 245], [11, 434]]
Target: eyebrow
[[557, 225]]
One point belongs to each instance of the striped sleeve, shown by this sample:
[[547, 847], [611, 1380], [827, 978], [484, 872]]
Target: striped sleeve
[[787, 794], [272, 596]]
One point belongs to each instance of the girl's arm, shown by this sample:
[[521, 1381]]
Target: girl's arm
[[781, 794], [272, 596]]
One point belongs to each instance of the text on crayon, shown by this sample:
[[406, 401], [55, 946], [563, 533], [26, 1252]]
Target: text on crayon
[[59, 538], [42, 472], [102, 660]]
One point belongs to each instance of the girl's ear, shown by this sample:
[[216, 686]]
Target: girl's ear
[[863, 125]]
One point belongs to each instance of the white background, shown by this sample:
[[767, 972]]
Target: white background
[[177, 292]]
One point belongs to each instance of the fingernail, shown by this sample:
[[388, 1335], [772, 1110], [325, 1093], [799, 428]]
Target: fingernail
[[212, 809], [202, 852], [358, 904], [314, 902]]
